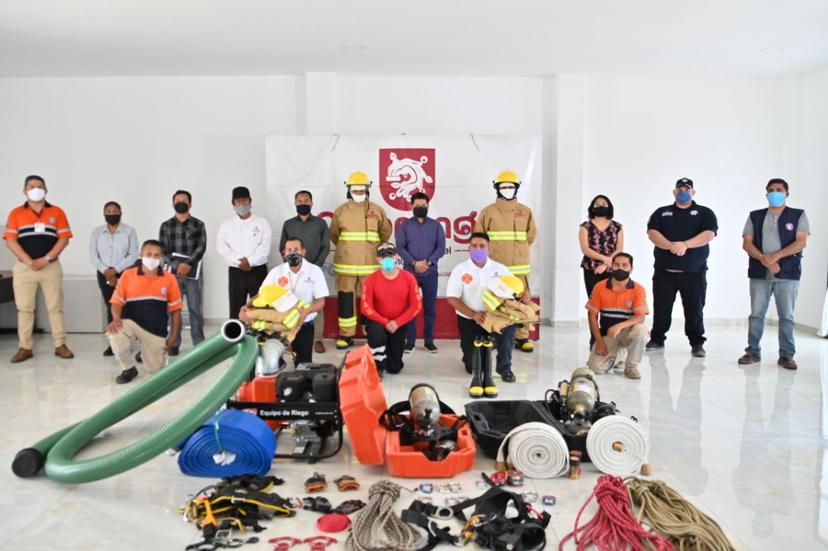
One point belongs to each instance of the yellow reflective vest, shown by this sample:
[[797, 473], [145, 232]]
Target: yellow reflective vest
[[511, 228], [357, 229]]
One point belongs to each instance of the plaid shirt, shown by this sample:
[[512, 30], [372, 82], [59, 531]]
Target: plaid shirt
[[188, 238]]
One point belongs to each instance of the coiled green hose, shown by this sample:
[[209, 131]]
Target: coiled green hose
[[57, 450]]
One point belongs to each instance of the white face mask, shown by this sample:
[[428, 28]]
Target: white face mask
[[36, 194], [151, 264], [508, 193], [358, 198]]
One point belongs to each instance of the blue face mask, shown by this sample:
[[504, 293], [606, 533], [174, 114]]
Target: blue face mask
[[684, 197], [776, 198], [388, 264]]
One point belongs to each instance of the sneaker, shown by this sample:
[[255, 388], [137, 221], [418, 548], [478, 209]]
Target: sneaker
[[108, 352], [632, 372], [697, 351], [126, 376], [749, 358], [507, 377], [173, 351], [653, 345], [430, 347], [409, 348], [344, 342], [787, 363], [524, 345]]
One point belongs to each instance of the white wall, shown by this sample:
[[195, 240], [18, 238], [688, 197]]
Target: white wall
[[643, 134]]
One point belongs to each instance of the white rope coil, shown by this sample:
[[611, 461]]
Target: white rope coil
[[617, 445], [535, 449]]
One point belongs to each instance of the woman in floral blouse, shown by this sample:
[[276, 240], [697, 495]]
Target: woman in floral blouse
[[601, 238]]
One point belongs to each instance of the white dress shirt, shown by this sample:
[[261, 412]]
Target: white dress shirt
[[308, 284], [244, 238], [468, 282]]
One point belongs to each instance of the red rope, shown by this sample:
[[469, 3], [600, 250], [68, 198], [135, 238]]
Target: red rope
[[614, 527]]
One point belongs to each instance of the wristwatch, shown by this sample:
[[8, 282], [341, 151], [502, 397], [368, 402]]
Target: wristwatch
[[48, 258]]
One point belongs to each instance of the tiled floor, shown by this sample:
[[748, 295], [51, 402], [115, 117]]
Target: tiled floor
[[745, 445]]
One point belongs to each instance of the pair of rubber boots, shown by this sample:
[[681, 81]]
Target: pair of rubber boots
[[482, 383]]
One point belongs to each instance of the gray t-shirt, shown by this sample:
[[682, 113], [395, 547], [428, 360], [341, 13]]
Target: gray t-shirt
[[770, 232]]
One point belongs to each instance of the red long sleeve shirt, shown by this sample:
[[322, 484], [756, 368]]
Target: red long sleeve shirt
[[386, 299]]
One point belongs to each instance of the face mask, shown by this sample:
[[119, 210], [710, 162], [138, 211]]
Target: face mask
[[420, 212], [112, 219], [303, 210], [36, 194], [151, 264], [358, 198], [388, 264], [479, 255], [294, 259], [620, 275], [507, 193], [242, 210], [684, 197], [600, 211], [776, 198], [181, 208]]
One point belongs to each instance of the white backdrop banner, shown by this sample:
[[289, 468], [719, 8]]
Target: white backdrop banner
[[455, 171]]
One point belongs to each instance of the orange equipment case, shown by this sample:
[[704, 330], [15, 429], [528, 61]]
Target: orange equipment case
[[362, 402]]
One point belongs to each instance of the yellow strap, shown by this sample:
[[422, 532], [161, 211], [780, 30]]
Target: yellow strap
[[491, 301], [356, 269], [370, 236], [291, 319], [507, 235], [348, 322], [522, 269]]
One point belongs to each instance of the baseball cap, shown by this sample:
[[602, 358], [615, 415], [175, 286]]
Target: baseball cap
[[386, 249], [686, 182], [241, 192]]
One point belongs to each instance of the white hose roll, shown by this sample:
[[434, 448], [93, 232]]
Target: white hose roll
[[535, 449], [617, 445]]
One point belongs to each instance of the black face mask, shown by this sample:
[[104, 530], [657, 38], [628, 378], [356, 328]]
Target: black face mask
[[303, 210], [600, 211], [420, 212], [181, 208], [294, 259], [112, 219], [620, 275]]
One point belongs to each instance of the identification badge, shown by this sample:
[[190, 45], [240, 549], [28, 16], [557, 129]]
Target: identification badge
[[40, 227]]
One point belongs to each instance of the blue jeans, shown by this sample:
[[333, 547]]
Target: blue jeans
[[193, 289], [428, 286], [784, 291]]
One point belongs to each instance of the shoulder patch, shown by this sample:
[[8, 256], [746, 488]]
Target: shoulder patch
[[467, 278]]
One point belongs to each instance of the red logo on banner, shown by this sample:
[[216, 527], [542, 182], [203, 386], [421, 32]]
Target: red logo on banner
[[403, 172]]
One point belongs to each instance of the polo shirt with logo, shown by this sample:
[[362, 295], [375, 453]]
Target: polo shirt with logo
[[308, 284], [613, 306], [468, 282], [37, 232], [146, 300], [677, 224]]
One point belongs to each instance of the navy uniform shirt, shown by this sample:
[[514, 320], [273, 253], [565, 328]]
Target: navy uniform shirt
[[677, 224]]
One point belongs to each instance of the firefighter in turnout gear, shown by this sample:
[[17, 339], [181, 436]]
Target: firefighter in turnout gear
[[357, 228], [511, 229]]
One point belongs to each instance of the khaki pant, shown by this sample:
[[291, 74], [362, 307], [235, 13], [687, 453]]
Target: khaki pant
[[632, 339], [25, 284], [521, 332], [348, 302], [319, 325], [153, 350]]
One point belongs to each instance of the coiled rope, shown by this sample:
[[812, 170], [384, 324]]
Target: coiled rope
[[613, 527], [535, 449], [617, 445], [670, 514], [377, 527]]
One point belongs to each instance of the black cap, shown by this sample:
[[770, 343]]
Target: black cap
[[241, 192], [686, 182], [386, 249]]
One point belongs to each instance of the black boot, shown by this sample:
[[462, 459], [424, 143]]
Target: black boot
[[476, 386], [489, 388]]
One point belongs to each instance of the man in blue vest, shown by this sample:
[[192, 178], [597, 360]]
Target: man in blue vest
[[773, 239]]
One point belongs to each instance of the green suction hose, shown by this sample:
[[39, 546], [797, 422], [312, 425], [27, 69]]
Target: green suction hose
[[57, 450]]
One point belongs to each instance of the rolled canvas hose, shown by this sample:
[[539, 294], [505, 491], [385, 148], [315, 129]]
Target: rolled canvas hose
[[617, 445], [57, 450], [535, 449]]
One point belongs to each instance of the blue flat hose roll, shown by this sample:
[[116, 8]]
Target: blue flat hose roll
[[230, 433], [56, 452]]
